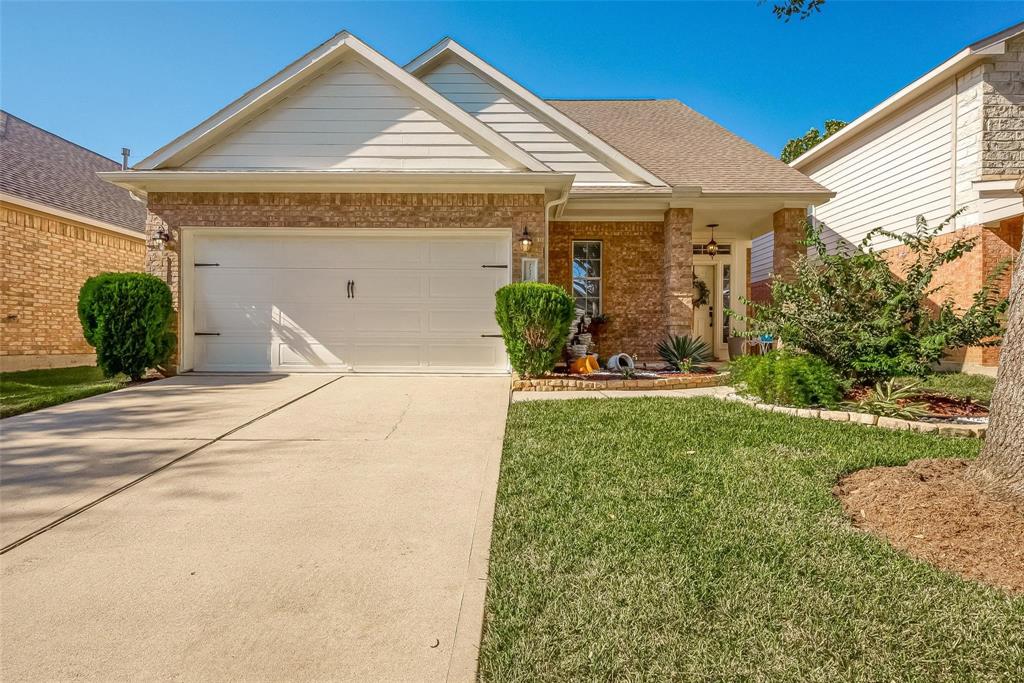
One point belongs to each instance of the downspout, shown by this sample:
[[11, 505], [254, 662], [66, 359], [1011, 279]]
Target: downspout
[[557, 201]]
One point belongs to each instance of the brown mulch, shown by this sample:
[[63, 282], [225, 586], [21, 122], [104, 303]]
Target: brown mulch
[[939, 405], [931, 511]]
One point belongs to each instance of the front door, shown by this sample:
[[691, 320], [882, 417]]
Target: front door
[[704, 304]]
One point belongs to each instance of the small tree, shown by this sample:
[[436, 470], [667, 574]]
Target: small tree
[[795, 147], [850, 309], [787, 9], [127, 318], [534, 320]]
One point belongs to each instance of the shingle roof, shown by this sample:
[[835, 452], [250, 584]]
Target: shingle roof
[[41, 167], [684, 148]]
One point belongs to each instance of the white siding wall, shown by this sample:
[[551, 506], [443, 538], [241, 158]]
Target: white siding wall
[[349, 117], [761, 257], [898, 171], [519, 124]]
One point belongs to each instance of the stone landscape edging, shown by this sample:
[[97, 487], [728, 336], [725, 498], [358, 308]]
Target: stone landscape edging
[[943, 428], [579, 384]]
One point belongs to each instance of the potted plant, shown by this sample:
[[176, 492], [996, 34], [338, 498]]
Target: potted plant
[[737, 346]]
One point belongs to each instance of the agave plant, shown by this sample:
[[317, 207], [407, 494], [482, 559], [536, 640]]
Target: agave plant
[[687, 354], [890, 399]]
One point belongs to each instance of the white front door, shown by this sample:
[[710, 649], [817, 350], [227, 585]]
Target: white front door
[[397, 302]]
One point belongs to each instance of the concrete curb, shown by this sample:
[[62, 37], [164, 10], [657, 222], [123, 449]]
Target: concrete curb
[[643, 384]]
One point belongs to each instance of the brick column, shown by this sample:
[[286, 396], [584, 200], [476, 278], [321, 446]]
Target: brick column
[[788, 225], [678, 291]]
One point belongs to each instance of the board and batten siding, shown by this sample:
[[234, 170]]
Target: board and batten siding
[[900, 170], [349, 117], [519, 124]]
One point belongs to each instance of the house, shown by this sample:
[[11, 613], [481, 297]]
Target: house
[[953, 140], [349, 213], [60, 224]]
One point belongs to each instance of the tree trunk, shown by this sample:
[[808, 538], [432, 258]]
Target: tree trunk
[[1000, 469]]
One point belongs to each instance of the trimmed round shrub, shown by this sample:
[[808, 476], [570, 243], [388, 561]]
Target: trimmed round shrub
[[534, 319], [788, 378], [127, 318]]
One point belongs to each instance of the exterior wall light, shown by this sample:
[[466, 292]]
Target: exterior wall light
[[525, 241], [163, 236], [712, 246]]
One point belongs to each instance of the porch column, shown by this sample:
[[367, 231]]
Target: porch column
[[678, 288], [788, 225]]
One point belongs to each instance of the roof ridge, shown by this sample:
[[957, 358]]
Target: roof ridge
[[54, 135], [609, 99]]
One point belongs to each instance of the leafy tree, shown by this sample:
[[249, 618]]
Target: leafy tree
[[850, 309], [787, 9], [797, 146]]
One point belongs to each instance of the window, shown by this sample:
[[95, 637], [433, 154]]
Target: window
[[726, 301], [586, 276]]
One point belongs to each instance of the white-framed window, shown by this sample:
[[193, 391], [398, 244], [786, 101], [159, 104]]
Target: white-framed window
[[586, 275]]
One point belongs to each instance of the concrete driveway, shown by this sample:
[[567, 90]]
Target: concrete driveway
[[302, 527]]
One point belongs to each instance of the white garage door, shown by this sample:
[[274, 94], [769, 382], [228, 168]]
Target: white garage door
[[405, 302]]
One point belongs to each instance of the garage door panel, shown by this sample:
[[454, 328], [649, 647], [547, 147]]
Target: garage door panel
[[235, 318], [473, 286], [467, 253], [298, 355], [280, 302]]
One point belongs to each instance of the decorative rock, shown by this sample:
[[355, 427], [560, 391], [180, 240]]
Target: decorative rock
[[863, 418], [893, 423], [807, 412], [834, 415]]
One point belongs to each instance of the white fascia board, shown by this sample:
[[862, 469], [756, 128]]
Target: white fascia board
[[602, 150], [505, 182], [15, 200], [309, 65], [995, 188], [993, 45]]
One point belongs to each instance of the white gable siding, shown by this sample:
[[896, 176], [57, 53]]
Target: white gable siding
[[761, 257], [520, 125], [898, 171], [349, 117]]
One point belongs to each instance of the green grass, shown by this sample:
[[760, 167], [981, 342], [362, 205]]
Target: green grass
[[977, 387], [698, 540], [22, 392]]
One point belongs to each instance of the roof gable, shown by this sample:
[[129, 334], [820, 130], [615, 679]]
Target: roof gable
[[525, 119], [342, 106]]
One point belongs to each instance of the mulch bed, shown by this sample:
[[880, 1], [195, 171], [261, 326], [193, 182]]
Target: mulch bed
[[931, 511], [939, 405], [605, 376]]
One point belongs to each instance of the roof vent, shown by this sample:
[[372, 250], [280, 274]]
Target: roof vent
[[125, 153]]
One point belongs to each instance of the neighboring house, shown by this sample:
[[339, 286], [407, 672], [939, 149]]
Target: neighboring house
[[951, 140], [59, 225], [349, 213]]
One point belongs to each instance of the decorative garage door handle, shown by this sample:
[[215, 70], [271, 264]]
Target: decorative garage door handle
[[206, 334], [351, 289], [491, 335], [503, 265]]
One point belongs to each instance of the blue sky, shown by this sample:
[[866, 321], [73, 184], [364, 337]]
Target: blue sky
[[137, 74]]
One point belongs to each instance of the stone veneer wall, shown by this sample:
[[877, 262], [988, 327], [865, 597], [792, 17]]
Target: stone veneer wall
[[1002, 135], [387, 211], [46, 260], [632, 277]]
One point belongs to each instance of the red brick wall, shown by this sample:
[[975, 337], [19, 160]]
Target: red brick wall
[[46, 260], [962, 279], [632, 277]]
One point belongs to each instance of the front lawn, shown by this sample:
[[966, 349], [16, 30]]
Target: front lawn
[[21, 392], [670, 539]]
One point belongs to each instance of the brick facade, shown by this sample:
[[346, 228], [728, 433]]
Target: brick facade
[[632, 279], [960, 280], [678, 273], [46, 260], [789, 226]]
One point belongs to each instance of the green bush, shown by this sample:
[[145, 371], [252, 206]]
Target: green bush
[[787, 378], [849, 308], [534, 319], [127, 318]]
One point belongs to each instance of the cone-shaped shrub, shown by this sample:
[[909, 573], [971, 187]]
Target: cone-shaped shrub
[[534, 320], [127, 317]]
